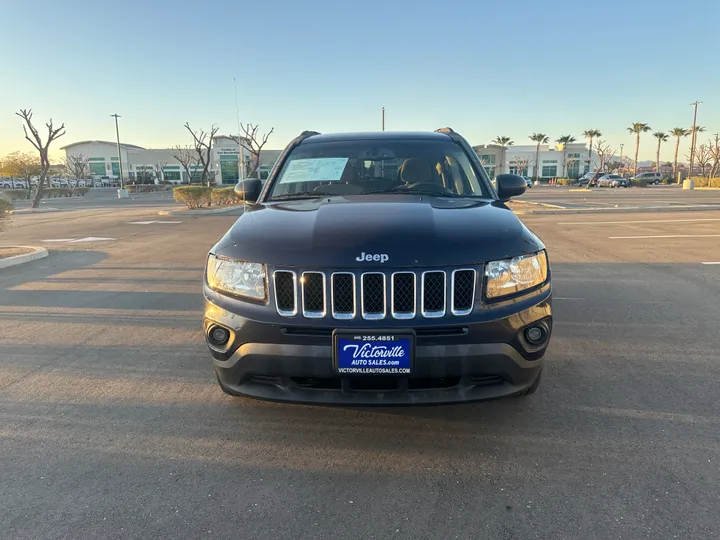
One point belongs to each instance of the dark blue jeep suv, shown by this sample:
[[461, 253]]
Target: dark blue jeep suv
[[378, 269]]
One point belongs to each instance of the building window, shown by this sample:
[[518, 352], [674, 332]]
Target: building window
[[573, 170], [487, 159], [549, 171], [171, 175], [549, 161], [574, 156], [97, 168], [229, 173]]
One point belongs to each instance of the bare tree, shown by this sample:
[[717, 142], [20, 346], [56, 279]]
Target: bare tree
[[159, 167], [613, 166], [714, 148], [202, 141], [604, 153], [253, 143], [41, 147], [520, 163], [568, 163], [703, 157], [77, 166], [187, 157]]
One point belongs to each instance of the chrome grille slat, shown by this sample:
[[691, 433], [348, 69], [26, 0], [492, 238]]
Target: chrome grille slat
[[343, 302], [313, 295], [462, 291], [286, 301], [434, 294], [375, 295], [403, 294]]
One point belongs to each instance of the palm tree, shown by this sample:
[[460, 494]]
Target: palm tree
[[637, 128], [565, 140], [678, 132], [661, 138], [591, 134], [539, 138], [504, 142]]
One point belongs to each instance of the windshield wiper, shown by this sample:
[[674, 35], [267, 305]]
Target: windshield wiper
[[299, 195], [395, 191]]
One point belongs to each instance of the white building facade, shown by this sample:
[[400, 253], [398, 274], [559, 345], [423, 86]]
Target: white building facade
[[143, 164], [554, 161]]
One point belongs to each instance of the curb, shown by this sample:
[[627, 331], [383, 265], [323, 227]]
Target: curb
[[210, 211], [627, 209], [579, 189], [39, 253], [35, 210]]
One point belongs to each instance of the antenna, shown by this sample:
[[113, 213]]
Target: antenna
[[241, 157]]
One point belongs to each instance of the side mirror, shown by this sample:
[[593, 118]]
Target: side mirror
[[249, 190], [510, 185]]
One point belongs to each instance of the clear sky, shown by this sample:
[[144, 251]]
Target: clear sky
[[484, 68]]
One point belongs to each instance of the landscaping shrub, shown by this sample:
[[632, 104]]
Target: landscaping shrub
[[193, 196], [565, 181], [706, 182], [5, 207], [638, 182], [53, 193], [80, 191], [15, 194], [224, 195]]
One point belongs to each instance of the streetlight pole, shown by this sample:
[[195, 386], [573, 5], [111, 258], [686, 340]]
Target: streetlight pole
[[621, 151], [383, 118], [694, 134], [117, 133]]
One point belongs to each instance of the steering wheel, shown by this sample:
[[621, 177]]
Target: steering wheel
[[429, 186]]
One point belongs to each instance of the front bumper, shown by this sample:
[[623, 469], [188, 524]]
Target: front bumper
[[462, 360]]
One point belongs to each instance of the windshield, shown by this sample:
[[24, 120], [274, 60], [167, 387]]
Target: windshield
[[371, 166]]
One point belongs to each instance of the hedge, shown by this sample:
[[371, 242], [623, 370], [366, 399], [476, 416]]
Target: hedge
[[5, 207], [146, 188], [198, 196], [225, 195], [566, 181], [15, 194], [193, 196], [706, 182]]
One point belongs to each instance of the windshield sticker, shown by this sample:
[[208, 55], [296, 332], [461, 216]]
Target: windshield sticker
[[309, 170]]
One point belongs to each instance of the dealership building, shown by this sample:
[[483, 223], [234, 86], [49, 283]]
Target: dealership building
[[521, 160], [139, 162]]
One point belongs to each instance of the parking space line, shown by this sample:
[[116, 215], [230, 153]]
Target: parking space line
[[642, 221], [712, 262], [665, 236]]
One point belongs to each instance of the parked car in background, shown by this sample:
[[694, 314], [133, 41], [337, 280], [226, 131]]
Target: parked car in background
[[612, 180], [590, 179], [12, 183], [528, 181], [649, 177]]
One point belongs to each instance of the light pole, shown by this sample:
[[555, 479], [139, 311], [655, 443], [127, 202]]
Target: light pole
[[383, 118], [621, 151], [117, 133], [692, 141]]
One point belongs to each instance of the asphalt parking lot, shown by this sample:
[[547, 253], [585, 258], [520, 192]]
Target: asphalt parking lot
[[651, 197], [111, 425]]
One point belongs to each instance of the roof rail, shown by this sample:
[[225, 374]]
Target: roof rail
[[450, 132]]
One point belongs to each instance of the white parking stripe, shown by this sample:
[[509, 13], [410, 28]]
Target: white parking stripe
[[713, 262], [665, 236], [152, 222], [75, 240], [629, 222]]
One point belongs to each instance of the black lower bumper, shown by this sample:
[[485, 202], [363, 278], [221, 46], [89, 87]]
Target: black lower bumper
[[453, 363]]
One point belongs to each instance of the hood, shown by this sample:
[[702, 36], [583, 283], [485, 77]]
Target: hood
[[402, 230]]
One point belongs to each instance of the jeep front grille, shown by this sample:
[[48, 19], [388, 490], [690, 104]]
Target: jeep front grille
[[372, 296]]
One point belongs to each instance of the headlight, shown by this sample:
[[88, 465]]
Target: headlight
[[510, 276], [239, 278]]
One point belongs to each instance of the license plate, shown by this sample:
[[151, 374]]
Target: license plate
[[374, 353]]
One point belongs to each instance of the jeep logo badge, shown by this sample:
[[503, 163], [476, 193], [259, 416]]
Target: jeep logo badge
[[370, 257]]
